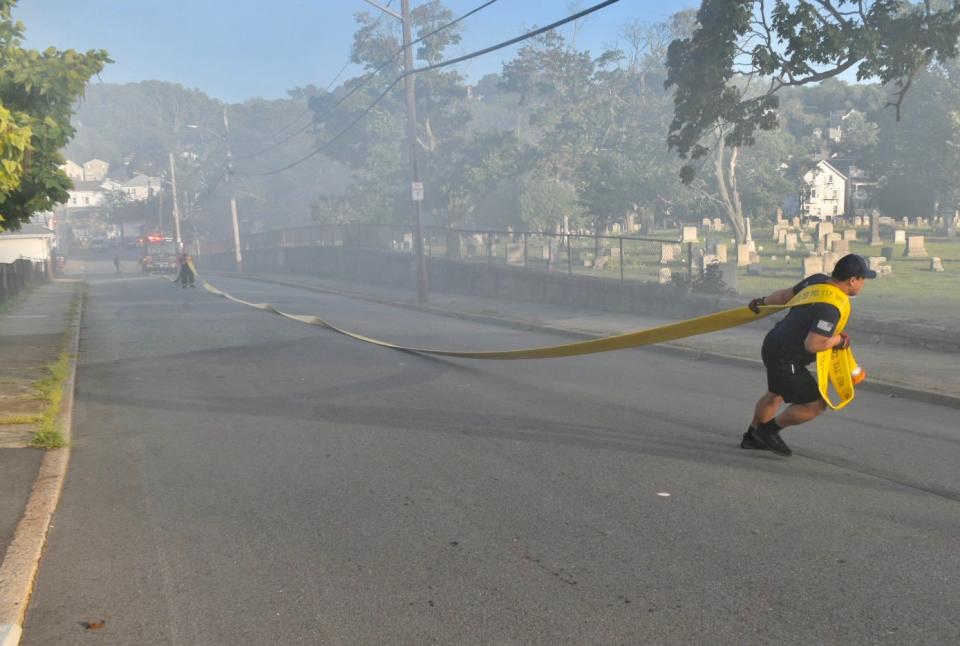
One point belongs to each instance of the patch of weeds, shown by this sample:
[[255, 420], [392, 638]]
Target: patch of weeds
[[50, 389], [11, 420]]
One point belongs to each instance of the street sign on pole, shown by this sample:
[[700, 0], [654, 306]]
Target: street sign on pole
[[416, 190]]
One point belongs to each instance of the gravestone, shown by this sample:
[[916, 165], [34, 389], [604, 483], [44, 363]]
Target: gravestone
[[728, 274], [705, 223], [704, 261], [690, 234], [905, 222], [776, 233], [936, 264], [899, 236], [829, 261], [781, 236], [875, 229], [812, 265], [823, 230], [849, 234], [858, 221], [720, 251], [790, 242], [915, 247], [666, 253], [841, 247], [514, 254], [743, 255], [717, 224], [665, 276]]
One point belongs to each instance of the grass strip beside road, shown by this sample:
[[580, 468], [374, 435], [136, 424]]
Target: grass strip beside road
[[50, 389], [49, 434]]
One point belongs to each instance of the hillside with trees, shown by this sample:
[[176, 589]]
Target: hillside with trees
[[559, 137]]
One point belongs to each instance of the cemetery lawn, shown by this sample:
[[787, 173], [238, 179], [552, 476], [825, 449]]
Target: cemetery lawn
[[911, 293]]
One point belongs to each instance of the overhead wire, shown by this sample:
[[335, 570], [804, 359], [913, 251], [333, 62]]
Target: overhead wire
[[366, 79], [309, 112], [530, 34]]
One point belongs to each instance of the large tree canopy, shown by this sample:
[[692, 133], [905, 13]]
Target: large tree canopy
[[37, 92], [728, 72]]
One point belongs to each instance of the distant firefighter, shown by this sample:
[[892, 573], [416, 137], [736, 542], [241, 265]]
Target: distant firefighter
[[187, 275]]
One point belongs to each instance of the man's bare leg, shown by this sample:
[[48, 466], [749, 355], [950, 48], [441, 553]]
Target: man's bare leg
[[766, 409], [799, 413]]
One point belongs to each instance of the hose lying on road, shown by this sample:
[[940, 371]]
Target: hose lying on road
[[834, 366]]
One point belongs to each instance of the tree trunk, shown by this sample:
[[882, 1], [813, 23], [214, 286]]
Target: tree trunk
[[727, 187]]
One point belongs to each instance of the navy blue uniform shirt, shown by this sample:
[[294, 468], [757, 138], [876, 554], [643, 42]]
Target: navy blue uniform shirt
[[787, 337]]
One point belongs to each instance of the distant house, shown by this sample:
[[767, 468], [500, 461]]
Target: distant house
[[95, 170], [85, 195], [32, 242], [823, 192], [73, 170], [860, 185], [140, 187]]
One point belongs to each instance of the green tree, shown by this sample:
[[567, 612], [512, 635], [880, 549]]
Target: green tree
[[37, 92], [918, 161], [728, 73], [375, 149]]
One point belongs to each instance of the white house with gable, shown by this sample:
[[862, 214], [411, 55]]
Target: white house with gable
[[823, 192]]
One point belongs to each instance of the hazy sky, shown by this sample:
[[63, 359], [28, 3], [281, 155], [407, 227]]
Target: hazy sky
[[240, 49]]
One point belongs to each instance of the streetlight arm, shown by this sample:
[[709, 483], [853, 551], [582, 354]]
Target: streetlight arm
[[385, 10]]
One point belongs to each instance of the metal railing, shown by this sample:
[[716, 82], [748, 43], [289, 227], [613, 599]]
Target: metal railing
[[627, 257], [15, 276]]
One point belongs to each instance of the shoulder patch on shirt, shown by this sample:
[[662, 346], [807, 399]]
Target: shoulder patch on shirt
[[826, 326]]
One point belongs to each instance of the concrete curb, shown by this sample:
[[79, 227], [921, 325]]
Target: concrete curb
[[871, 385], [22, 560]]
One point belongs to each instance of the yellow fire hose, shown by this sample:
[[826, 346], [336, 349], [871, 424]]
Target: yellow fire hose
[[834, 366]]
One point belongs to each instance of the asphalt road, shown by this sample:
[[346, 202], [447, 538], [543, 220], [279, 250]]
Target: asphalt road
[[241, 479]]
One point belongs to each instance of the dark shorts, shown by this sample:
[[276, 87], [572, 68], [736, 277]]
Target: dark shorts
[[792, 381]]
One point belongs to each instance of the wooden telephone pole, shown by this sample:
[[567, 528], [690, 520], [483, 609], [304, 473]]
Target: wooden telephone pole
[[416, 186]]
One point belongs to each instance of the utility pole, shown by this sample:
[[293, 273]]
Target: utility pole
[[416, 187], [176, 207], [233, 198]]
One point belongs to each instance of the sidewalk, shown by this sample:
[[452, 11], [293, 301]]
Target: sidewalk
[[32, 335], [924, 375]]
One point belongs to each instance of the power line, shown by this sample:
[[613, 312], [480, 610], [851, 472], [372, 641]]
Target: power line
[[309, 112], [459, 59], [356, 88]]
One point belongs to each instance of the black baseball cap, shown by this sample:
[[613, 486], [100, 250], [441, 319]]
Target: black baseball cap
[[852, 266]]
